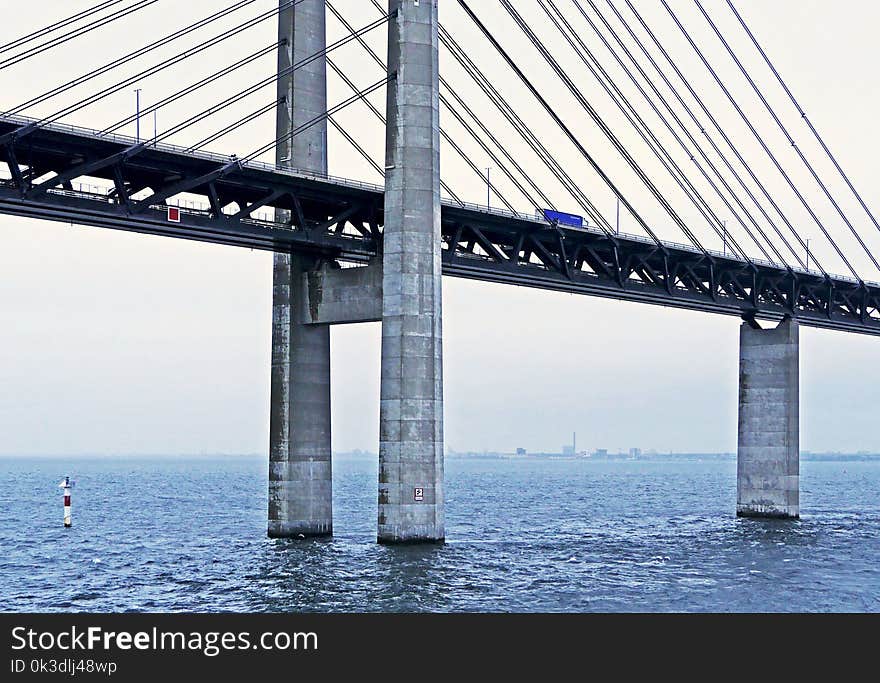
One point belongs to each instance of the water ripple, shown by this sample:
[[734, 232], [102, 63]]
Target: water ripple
[[535, 536]]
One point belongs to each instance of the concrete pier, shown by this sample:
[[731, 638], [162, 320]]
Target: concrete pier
[[300, 475], [411, 402], [768, 457]]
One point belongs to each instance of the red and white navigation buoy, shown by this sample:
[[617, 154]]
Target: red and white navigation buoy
[[66, 485]]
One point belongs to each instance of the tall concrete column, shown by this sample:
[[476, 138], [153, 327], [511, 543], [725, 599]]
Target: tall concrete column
[[768, 458], [300, 476], [411, 406]]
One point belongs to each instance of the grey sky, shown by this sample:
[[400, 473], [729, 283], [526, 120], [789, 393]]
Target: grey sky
[[124, 343]]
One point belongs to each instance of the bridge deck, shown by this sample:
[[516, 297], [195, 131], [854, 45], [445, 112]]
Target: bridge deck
[[76, 175]]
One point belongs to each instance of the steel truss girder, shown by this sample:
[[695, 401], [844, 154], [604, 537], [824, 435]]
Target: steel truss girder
[[476, 244]]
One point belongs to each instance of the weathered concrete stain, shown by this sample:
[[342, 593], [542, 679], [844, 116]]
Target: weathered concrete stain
[[315, 292]]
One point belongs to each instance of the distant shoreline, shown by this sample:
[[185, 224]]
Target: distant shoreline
[[661, 457], [512, 457]]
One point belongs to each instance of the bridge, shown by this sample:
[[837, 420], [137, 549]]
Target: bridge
[[342, 220], [348, 251]]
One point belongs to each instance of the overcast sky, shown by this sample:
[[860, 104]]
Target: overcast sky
[[120, 343]]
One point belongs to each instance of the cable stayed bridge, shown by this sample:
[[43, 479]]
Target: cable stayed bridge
[[354, 251]]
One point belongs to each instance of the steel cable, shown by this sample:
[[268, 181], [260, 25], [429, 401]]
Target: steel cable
[[201, 83], [146, 49], [760, 139], [588, 58], [443, 133], [659, 96], [718, 127], [83, 30], [534, 143], [790, 140], [803, 115], [58, 25]]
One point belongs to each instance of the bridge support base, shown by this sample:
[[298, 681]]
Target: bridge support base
[[768, 458], [300, 469], [411, 401]]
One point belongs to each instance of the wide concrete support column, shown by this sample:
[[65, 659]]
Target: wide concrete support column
[[300, 476], [768, 457], [411, 406]]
